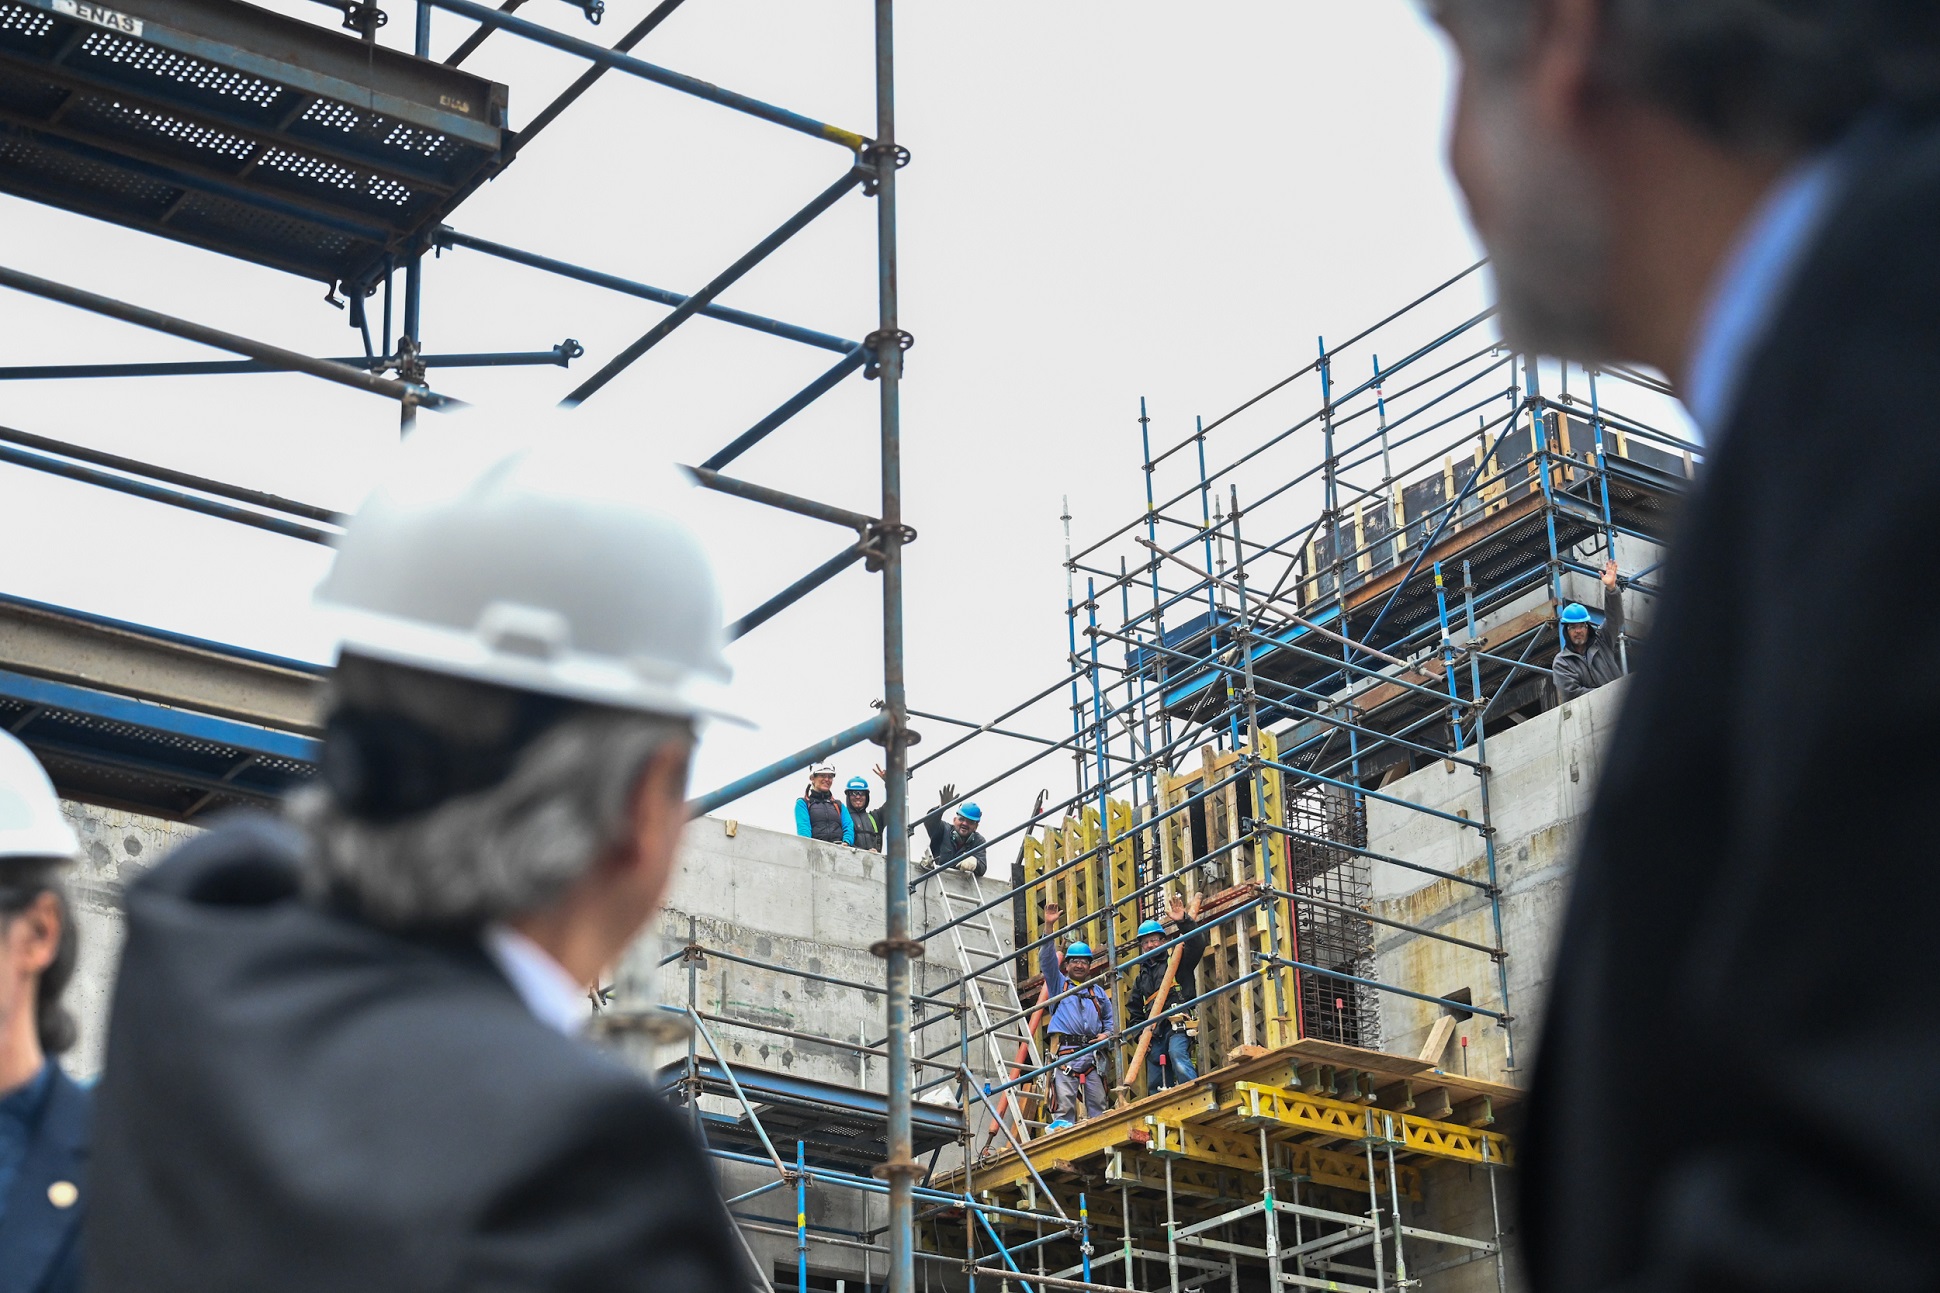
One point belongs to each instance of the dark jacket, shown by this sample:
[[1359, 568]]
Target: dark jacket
[[1185, 985], [868, 828], [297, 1101], [946, 849], [1577, 673], [1761, 750], [40, 1240]]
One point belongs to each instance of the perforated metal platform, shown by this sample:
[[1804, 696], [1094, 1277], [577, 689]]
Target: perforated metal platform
[[240, 130], [134, 754]]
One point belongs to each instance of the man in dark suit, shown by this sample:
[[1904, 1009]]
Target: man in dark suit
[[1744, 194], [343, 1053], [43, 1114]]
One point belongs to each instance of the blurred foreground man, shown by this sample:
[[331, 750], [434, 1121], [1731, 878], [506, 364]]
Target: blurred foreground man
[[343, 1050], [1746, 195], [43, 1114]]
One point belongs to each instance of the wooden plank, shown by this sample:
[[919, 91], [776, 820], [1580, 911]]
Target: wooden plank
[[1354, 1057], [1431, 1050]]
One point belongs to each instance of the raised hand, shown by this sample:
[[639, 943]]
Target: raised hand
[[1052, 915], [948, 792]]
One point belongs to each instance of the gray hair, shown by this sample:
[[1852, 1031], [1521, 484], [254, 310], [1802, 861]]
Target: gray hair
[[1780, 75], [509, 847]]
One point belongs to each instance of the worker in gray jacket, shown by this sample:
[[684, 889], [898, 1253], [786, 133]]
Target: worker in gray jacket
[[1589, 656]]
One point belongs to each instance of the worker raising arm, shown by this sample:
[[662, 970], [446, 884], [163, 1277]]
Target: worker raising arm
[[1589, 656], [958, 844], [1077, 1090]]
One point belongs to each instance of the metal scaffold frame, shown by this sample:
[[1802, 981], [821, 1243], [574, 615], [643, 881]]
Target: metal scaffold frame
[[1291, 1160], [875, 158], [1403, 611]]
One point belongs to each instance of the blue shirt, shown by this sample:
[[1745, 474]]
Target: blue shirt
[[1084, 1016], [20, 1111], [1763, 262]]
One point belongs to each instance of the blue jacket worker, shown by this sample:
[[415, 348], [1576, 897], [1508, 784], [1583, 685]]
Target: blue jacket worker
[[44, 1116], [819, 814], [959, 844], [1077, 1087]]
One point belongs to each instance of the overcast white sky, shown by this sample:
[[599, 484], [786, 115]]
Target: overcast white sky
[[1107, 201]]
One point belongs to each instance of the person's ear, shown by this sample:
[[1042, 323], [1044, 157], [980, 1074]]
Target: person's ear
[[1562, 63], [663, 781], [659, 806], [36, 933]]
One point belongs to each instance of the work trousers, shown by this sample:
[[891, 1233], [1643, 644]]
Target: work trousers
[[1168, 1061], [1077, 1096]]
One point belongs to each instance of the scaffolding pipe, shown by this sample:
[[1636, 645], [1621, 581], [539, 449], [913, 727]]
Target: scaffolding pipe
[[407, 393], [601, 56]]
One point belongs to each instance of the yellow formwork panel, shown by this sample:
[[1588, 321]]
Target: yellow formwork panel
[[1091, 835], [1036, 863], [1280, 992], [1081, 891], [1175, 832], [1123, 862]]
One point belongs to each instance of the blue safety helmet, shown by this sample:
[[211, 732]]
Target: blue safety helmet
[[1151, 927], [1080, 950], [970, 811], [857, 783], [1575, 613]]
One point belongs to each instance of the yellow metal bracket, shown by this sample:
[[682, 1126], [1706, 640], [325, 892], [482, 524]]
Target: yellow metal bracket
[[1265, 1104], [1240, 1151]]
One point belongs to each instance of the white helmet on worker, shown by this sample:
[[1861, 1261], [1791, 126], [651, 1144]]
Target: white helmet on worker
[[822, 770], [538, 555], [31, 824]]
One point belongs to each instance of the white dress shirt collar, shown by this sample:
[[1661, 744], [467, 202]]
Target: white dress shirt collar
[[541, 982]]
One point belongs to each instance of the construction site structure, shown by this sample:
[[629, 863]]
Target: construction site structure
[[326, 153], [1307, 687], [1346, 746], [1311, 689]]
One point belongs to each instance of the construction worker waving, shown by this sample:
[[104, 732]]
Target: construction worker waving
[[1077, 1089]]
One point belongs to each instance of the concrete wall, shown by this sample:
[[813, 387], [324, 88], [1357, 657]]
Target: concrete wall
[[1541, 775], [797, 903], [115, 847]]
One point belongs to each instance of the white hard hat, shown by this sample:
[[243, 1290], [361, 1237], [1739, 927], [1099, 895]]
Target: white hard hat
[[822, 770], [537, 554], [31, 825]]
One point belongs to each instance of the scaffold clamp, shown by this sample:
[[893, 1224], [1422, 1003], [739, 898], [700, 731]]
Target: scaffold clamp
[[874, 343], [904, 1167], [876, 151], [872, 543], [363, 18], [886, 947]]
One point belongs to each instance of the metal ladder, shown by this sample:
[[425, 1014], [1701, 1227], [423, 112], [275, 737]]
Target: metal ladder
[[991, 989]]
